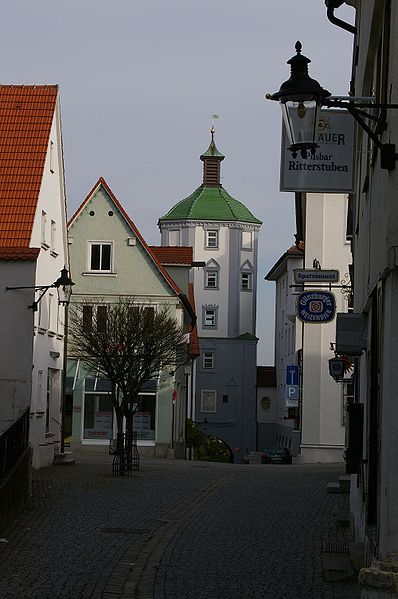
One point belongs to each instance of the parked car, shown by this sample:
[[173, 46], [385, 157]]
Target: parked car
[[276, 455]]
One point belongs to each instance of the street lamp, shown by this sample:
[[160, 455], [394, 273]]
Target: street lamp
[[63, 285], [301, 99]]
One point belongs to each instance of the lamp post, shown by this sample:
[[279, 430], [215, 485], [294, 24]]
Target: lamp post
[[301, 99]]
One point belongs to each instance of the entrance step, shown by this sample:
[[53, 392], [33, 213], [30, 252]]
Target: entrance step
[[336, 562], [63, 459], [343, 519], [336, 489], [345, 483]]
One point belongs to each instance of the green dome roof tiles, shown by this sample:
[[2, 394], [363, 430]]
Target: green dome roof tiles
[[210, 203]]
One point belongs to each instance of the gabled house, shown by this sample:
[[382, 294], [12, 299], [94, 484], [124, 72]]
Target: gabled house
[[110, 259], [33, 250]]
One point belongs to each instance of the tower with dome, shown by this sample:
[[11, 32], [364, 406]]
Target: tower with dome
[[224, 236]]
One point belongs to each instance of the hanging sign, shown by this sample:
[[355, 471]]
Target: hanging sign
[[315, 276], [331, 169], [316, 306]]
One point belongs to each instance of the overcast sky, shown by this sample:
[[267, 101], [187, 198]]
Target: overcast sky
[[139, 81]]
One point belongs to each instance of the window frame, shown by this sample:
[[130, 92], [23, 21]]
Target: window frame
[[249, 276], [208, 234], [206, 309], [212, 272], [101, 244], [208, 355]]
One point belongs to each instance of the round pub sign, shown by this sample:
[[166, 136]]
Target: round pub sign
[[316, 306]]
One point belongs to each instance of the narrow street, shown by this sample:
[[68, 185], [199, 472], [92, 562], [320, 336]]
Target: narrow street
[[183, 530]]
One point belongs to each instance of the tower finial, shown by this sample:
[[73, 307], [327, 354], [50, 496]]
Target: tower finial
[[212, 130]]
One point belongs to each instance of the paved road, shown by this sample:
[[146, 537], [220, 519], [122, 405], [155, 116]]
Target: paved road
[[175, 530]]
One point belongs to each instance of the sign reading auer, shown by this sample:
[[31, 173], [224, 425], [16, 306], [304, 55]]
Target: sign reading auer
[[331, 169], [316, 306]]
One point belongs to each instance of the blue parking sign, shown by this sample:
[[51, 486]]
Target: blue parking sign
[[292, 374]]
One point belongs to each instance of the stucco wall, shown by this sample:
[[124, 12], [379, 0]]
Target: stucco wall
[[16, 339]]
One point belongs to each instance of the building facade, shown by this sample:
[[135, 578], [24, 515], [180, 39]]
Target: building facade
[[224, 236], [33, 251], [316, 432], [111, 260], [374, 489]]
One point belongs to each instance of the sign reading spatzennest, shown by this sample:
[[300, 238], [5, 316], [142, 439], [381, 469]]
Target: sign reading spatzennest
[[316, 306], [331, 169]]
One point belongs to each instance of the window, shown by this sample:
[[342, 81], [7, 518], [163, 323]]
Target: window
[[101, 319], [43, 229], [100, 257], [212, 238], [211, 279], [174, 237], [210, 318], [50, 326], [208, 359], [52, 157], [246, 281], [53, 233], [247, 240], [208, 402], [87, 318]]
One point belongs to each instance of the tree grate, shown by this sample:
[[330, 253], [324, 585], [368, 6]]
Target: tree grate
[[335, 547]]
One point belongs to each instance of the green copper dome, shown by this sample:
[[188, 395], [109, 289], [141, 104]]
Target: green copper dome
[[210, 203]]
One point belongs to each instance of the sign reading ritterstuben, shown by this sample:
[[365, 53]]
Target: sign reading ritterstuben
[[331, 169]]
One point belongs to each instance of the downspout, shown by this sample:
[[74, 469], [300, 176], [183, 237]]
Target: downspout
[[331, 6]]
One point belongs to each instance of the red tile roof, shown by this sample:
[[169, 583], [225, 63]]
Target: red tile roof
[[101, 182], [296, 249], [173, 255], [194, 350], [26, 115], [18, 253]]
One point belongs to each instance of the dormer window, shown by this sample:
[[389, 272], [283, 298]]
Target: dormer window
[[212, 238]]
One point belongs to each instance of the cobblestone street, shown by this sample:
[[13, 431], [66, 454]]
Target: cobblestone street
[[184, 530]]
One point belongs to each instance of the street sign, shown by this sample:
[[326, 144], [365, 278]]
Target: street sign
[[316, 306], [315, 276], [292, 396], [292, 392], [292, 374]]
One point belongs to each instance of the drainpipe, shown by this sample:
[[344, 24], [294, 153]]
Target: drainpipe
[[331, 6]]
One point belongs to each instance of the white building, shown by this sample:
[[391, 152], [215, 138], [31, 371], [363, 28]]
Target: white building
[[33, 251], [224, 237], [374, 488], [317, 431]]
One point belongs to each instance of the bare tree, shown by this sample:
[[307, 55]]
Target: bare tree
[[127, 343]]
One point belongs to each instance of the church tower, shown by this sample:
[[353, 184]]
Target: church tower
[[224, 236]]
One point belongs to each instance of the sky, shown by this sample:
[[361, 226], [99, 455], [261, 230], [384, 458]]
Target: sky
[[139, 82]]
